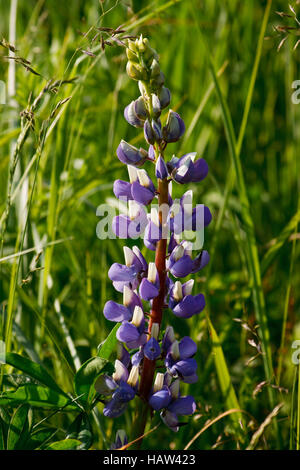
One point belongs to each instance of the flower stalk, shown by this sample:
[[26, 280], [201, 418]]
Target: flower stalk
[[142, 341]]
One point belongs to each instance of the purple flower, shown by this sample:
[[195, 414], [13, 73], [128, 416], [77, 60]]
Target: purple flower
[[130, 155], [186, 170], [149, 287], [116, 312], [117, 387], [161, 170], [121, 440], [160, 399], [119, 401], [164, 97], [179, 360], [167, 398], [143, 191], [135, 113], [182, 216], [182, 303], [174, 128], [152, 349], [119, 313], [152, 131], [132, 225], [151, 153], [133, 333], [181, 264], [153, 230], [122, 189], [130, 274], [137, 358]]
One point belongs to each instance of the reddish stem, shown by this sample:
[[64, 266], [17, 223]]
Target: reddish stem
[[158, 303]]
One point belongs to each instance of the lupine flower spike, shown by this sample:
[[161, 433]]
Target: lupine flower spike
[[149, 288]]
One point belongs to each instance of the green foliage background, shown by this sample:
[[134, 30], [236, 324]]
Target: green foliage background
[[53, 315]]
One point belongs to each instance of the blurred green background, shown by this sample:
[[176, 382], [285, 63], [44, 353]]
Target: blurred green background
[[66, 168]]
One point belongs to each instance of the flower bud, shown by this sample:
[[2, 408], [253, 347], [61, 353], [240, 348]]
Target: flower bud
[[158, 81], [129, 154], [132, 45], [132, 56], [136, 71], [152, 132], [161, 170], [156, 107], [149, 54], [140, 108], [174, 128], [164, 96], [131, 116], [155, 69], [140, 44]]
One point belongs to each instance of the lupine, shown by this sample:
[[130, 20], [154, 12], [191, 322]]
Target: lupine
[[149, 288]]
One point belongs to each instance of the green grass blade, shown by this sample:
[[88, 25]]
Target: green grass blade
[[223, 374], [279, 242]]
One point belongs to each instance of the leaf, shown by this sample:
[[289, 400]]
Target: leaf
[[226, 386], [34, 370], [18, 428], [37, 396], [2, 435], [39, 438], [109, 345], [66, 444], [81, 429], [278, 243], [86, 376]]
